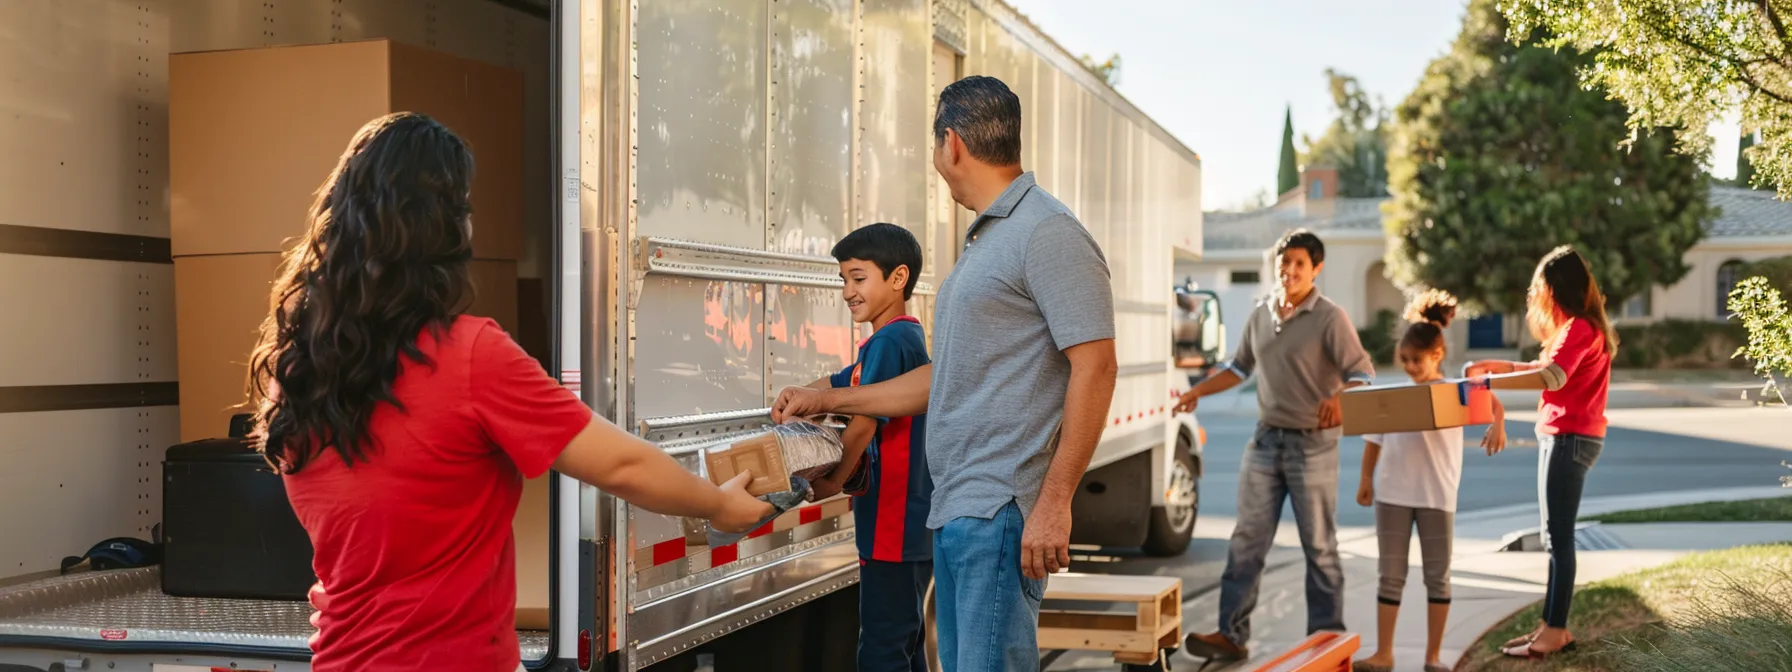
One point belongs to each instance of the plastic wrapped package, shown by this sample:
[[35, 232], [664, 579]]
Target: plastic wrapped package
[[798, 448]]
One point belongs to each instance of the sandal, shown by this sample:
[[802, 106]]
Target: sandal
[[1438, 667], [1366, 666], [1522, 640], [1532, 654]]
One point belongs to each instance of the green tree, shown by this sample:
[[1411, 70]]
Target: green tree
[[1356, 141], [1745, 169], [1288, 173], [1108, 70], [1500, 155], [1682, 64]]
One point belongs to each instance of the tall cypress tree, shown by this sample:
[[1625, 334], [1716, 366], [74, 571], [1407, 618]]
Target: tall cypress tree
[[1288, 177]]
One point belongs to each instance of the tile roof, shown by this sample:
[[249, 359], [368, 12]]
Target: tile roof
[[1742, 212], [1259, 229], [1749, 212]]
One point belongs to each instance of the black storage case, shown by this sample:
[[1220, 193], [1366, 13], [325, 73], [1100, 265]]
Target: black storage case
[[228, 530]]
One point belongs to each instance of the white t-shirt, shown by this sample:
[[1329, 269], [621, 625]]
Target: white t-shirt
[[1419, 469]]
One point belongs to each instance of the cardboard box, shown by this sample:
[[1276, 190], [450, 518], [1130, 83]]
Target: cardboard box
[[251, 138], [219, 304], [1415, 408], [532, 527], [761, 455]]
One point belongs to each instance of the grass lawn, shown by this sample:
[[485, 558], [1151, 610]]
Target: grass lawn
[[1772, 509], [1620, 622]]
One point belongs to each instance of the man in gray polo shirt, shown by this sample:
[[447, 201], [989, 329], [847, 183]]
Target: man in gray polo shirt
[[1023, 372], [1305, 353]]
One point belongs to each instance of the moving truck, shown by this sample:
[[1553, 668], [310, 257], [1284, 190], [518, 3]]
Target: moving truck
[[660, 183]]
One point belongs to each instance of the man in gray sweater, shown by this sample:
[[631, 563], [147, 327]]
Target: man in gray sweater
[[1305, 353]]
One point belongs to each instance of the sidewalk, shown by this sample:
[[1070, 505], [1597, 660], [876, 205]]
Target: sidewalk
[[1488, 585]]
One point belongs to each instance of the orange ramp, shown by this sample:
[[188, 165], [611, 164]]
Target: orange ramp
[[1319, 652]]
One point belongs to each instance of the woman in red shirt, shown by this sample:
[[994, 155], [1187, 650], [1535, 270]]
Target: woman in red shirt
[[1567, 314], [404, 429]]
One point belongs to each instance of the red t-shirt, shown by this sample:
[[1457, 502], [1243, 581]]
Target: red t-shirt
[[1579, 407], [414, 545]]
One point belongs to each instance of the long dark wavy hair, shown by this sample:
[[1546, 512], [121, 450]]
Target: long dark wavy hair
[[384, 257], [1563, 289]]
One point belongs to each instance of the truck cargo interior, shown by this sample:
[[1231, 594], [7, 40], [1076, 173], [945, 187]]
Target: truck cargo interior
[[200, 129]]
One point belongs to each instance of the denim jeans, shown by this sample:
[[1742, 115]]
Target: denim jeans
[[1300, 466], [1562, 464], [987, 613]]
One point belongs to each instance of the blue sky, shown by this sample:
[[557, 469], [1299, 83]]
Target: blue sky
[[1218, 73]]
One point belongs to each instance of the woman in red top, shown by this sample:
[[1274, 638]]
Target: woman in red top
[[1567, 314], [404, 429]]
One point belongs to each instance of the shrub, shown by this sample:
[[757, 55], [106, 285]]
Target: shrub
[[1761, 309], [1378, 338], [1671, 344]]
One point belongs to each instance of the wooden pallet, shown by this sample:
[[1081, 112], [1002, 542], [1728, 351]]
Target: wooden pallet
[[1137, 638]]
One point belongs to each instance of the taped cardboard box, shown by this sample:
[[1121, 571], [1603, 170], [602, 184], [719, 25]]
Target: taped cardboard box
[[1380, 409]]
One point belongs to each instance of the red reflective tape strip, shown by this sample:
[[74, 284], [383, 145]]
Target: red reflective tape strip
[[808, 514], [724, 555], [762, 531], [668, 551]]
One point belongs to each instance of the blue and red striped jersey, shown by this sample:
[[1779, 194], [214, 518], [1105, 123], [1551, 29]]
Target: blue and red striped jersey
[[890, 519]]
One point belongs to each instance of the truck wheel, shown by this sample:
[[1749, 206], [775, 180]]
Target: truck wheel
[[1174, 523]]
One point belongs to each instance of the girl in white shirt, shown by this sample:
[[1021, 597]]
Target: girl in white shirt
[[1411, 479]]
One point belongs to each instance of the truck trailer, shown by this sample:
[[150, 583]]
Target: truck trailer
[[683, 168]]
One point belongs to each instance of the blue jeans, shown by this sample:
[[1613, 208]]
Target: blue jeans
[[987, 613], [1562, 465], [1300, 466]]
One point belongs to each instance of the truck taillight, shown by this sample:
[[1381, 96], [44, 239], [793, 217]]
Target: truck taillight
[[584, 649]]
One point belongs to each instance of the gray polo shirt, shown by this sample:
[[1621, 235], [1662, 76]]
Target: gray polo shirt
[[1029, 284], [1300, 362]]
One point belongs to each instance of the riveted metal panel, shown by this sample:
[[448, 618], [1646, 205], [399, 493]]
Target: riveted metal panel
[[1041, 122], [1097, 170], [894, 150], [702, 111], [808, 334], [1122, 229], [698, 346], [949, 25], [811, 82]]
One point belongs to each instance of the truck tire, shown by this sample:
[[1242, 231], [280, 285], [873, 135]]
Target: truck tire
[[1174, 523]]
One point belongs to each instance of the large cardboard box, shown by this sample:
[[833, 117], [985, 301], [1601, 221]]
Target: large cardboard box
[[219, 304], [532, 527], [254, 132], [1380, 409]]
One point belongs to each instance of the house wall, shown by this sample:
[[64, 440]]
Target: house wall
[[1695, 297]]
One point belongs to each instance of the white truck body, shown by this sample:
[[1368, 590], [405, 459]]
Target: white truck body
[[697, 159]]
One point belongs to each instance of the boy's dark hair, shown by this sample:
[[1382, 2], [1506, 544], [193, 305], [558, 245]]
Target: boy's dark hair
[[1302, 239], [885, 246], [986, 116]]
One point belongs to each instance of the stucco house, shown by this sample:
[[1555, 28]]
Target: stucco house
[[1235, 263]]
